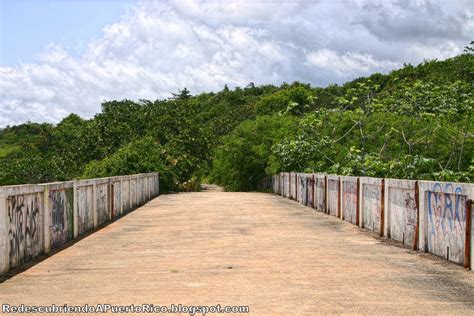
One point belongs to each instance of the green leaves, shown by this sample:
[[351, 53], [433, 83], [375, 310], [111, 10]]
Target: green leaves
[[415, 122], [242, 160]]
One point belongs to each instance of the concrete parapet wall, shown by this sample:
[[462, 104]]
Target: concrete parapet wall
[[401, 211], [286, 184], [445, 222], [371, 203], [434, 217], [349, 199], [310, 192], [333, 195], [320, 192], [37, 218], [293, 185]]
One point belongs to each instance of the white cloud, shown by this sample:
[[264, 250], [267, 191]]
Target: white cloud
[[442, 50], [158, 48], [348, 64]]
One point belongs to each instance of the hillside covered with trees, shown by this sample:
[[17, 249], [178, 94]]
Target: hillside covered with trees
[[414, 123]]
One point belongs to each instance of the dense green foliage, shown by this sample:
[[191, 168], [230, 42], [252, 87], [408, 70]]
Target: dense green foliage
[[415, 122]]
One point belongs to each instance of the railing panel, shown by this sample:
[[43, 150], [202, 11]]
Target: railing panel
[[349, 199], [371, 203], [102, 203], [60, 214], [320, 192], [401, 210], [333, 195], [85, 208], [444, 212]]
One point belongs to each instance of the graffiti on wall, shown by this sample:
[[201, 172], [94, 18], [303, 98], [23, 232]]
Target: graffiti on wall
[[319, 198], [25, 227], [403, 215], [333, 192], [349, 201], [371, 198], [61, 217], [446, 221]]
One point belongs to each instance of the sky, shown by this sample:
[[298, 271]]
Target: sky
[[68, 56]]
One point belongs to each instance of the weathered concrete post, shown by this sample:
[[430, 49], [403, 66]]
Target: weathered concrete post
[[382, 208], [74, 209], [94, 203], [360, 209], [130, 201], [358, 203], [384, 215], [468, 240], [47, 220], [137, 189], [295, 197], [110, 198], [339, 198], [422, 215], [326, 198], [121, 195], [147, 185], [417, 228], [4, 244]]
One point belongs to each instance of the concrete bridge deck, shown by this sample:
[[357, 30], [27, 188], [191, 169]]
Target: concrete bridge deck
[[255, 249]]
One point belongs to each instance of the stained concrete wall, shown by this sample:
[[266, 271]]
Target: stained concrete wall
[[293, 185], [282, 183], [286, 184], [310, 192], [302, 188], [332, 195], [36, 219], [401, 211], [371, 203], [276, 184], [349, 199], [423, 215], [126, 201], [116, 207], [305, 190], [320, 192]]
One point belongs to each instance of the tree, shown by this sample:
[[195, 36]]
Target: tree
[[470, 48], [182, 95]]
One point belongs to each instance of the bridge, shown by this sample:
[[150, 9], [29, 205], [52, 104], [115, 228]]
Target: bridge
[[115, 241]]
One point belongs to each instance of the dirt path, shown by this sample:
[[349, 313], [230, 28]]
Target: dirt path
[[254, 249]]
